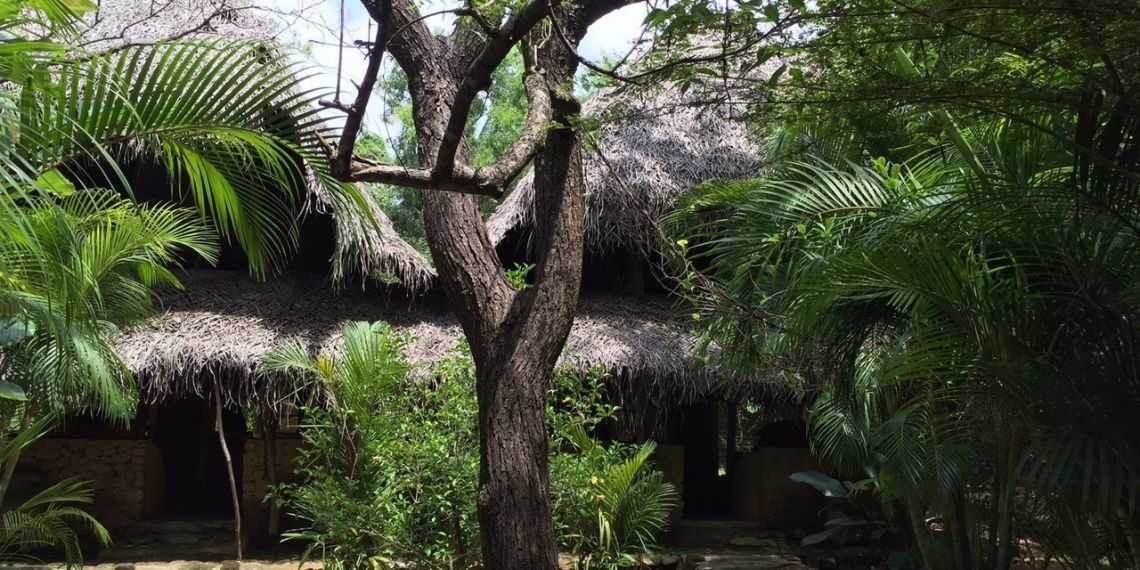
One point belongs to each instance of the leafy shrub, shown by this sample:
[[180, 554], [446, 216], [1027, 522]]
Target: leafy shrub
[[851, 510], [610, 505], [52, 519], [390, 464]]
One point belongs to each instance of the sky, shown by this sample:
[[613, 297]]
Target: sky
[[316, 30]]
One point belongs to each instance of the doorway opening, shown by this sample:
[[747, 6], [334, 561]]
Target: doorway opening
[[194, 469]]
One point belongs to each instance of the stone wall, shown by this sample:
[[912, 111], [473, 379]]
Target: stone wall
[[126, 474], [255, 483]]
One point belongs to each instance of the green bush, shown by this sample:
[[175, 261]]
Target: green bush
[[390, 466], [610, 504]]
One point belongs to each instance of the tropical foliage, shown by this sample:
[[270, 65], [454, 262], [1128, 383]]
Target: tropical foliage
[[966, 315], [79, 267], [232, 133], [48, 520], [389, 471], [610, 504], [944, 249]]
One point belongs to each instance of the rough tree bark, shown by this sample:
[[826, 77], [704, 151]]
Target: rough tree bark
[[515, 336]]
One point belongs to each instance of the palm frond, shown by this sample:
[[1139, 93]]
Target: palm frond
[[232, 127]]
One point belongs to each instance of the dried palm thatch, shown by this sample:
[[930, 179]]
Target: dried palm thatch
[[654, 144], [222, 325], [118, 23], [368, 245]]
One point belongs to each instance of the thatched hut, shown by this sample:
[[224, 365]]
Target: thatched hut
[[208, 340]]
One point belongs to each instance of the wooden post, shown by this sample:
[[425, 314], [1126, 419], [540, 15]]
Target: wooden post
[[229, 464], [269, 437], [733, 435]]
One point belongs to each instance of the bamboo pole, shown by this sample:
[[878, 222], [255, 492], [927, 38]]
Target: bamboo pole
[[229, 465]]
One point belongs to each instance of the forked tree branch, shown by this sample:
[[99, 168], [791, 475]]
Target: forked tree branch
[[490, 180], [477, 77], [445, 174]]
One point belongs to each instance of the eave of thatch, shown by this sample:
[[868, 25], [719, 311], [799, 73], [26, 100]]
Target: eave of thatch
[[222, 325], [657, 143], [368, 245]]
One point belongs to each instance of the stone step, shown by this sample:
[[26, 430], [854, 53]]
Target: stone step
[[749, 562], [186, 525]]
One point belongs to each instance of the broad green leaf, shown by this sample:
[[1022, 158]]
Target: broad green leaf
[[80, 6], [820, 536], [829, 486], [9, 391], [55, 183]]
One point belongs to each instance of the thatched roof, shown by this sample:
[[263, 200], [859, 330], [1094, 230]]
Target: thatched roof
[[222, 325], [658, 143], [371, 246], [118, 23]]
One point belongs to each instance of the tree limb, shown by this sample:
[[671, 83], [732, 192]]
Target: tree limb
[[342, 164], [477, 77], [490, 180], [421, 178]]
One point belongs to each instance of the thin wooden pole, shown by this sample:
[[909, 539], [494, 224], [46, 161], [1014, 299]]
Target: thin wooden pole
[[229, 465]]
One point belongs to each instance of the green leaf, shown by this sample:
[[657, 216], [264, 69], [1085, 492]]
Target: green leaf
[[9, 391], [55, 183], [820, 536], [829, 486], [80, 6]]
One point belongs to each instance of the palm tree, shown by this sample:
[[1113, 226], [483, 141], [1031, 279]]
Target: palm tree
[[236, 134], [238, 139], [970, 316]]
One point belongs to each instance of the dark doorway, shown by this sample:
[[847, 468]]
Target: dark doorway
[[195, 470], [706, 488]]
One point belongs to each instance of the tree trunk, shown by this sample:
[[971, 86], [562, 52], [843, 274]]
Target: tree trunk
[[1007, 466], [515, 336], [959, 531], [917, 517], [229, 465]]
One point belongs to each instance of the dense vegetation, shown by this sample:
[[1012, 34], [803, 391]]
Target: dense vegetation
[[943, 249], [389, 470], [79, 256], [945, 243]]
